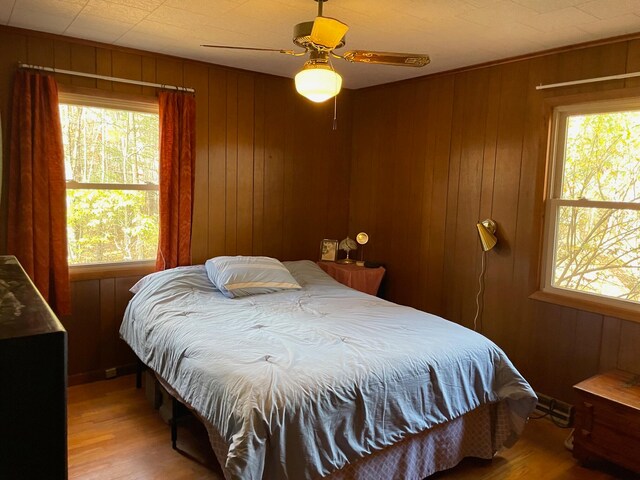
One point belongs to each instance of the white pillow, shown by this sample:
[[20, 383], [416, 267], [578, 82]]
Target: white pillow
[[241, 276], [139, 285]]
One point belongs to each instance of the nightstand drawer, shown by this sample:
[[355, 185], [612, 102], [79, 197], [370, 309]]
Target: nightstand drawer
[[607, 422], [592, 410]]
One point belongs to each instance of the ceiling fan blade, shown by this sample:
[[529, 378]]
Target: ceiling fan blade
[[286, 52], [387, 58], [328, 32]]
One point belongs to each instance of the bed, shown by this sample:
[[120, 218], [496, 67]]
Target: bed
[[325, 381]]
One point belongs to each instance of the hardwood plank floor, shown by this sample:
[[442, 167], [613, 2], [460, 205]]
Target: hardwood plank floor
[[114, 433]]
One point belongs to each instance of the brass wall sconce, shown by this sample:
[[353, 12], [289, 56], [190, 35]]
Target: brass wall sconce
[[487, 233], [488, 240]]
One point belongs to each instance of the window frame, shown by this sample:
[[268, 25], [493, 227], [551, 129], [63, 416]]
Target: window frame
[[144, 104], [556, 155]]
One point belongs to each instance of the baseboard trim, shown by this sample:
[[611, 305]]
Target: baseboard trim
[[97, 375]]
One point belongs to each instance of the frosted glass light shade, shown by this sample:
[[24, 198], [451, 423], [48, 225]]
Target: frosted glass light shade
[[318, 82]]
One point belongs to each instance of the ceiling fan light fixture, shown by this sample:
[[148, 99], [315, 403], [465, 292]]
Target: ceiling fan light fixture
[[318, 82]]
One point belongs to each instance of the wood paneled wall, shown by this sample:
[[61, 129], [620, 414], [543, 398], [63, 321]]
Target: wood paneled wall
[[420, 163], [272, 177], [432, 156]]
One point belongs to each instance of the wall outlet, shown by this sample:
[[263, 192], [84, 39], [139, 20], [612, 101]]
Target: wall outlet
[[110, 372]]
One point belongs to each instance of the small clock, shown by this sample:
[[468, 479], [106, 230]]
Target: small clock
[[362, 238]]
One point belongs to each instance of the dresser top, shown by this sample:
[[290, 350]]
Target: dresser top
[[23, 311], [616, 385]]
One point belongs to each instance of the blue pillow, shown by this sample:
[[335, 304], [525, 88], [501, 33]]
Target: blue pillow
[[241, 276]]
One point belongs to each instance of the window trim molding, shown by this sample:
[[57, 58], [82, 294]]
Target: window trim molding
[[73, 185], [98, 271], [90, 97], [630, 314], [559, 109]]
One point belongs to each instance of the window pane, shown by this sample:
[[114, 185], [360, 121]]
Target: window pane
[[598, 251], [103, 145], [602, 157], [106, 226]]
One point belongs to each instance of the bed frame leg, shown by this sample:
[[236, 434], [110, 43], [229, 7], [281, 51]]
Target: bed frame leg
[[139, 369], [174, 423]]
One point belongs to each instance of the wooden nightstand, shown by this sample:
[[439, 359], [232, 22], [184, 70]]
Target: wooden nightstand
[[607, 423], [364, 279]]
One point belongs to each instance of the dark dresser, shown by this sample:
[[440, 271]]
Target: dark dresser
[[33, 381]]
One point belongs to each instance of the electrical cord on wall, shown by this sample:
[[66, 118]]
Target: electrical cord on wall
[[480, 289]]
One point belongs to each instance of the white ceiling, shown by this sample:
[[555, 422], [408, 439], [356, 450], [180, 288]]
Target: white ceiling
[[454, 33]]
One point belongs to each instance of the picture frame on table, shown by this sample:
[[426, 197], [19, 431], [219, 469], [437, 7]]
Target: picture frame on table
[[328, 250]]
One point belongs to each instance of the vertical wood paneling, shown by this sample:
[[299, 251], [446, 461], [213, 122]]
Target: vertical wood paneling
[[491, 132], [231, 166], [108, 322], [83, 59], [424, 160], [62, 59], [83, 327], [260, 149], [217, 158], [245, 175], [123, 354], [126, 65], [407, 185], [361, 186], [168, 70], [258, 166], [103, 67], [274, 167], [12, 46], [336, 171], [464, 249], [529, 217], [196, 76], [511, 121], [629, 357], [40, 51], [465, 172], [610, 344], [439, 126], [383, 204], [633, 62], [148, 74], [289, 211]]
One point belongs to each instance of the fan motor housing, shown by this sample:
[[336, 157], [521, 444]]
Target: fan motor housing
[[302, 36]]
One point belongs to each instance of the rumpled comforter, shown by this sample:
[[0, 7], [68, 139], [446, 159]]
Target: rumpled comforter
[[298, 383]]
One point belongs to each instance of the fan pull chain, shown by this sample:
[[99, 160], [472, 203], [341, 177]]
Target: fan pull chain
[[335, 98]]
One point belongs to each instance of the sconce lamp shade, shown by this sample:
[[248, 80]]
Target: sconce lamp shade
[[318, 82], [487, 230]]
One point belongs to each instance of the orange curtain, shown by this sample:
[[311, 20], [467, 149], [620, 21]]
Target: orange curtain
[[37, 223], [177, 165]]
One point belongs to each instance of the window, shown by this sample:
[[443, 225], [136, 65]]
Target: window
[[111, 161], [592, 243]]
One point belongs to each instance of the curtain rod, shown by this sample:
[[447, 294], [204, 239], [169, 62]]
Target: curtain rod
[[104, 77], [589, 80]]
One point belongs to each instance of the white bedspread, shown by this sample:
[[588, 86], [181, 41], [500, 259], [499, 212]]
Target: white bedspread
[[299, 383]]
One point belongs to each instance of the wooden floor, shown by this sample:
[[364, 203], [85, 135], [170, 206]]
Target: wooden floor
[[114, 433]]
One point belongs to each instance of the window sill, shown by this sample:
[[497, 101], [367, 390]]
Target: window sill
[[632, 314], [100, 271]]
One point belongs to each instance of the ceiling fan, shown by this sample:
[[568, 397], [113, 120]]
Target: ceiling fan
[[318, 81]]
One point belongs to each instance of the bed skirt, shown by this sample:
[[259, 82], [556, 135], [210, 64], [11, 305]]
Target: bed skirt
[[479, 433]]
